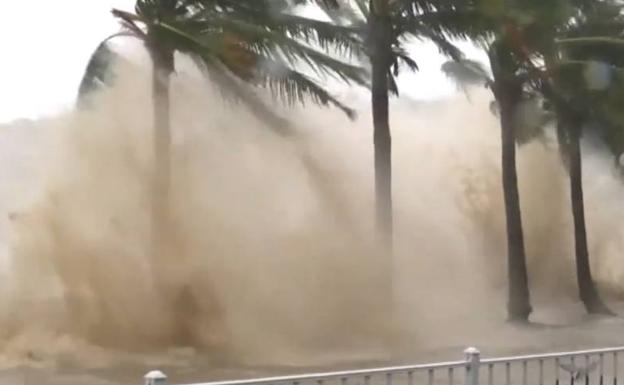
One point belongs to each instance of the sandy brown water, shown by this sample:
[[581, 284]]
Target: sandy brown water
[[273, 266]]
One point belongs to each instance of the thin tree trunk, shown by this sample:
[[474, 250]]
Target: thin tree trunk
[[180, 299], [161, 178], [587, 288], [380, 57], [569, 128], [519, 304], [508, 91], [380, 60]]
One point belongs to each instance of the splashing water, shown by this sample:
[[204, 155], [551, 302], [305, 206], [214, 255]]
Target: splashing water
[[272, 254]]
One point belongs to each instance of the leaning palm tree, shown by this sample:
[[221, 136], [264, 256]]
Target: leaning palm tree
[[256, 42], [237, 44]]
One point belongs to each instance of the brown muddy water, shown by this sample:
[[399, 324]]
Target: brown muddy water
[[273, 266]]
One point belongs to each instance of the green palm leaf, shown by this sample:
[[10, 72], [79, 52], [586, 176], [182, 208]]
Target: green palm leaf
[[255, 44]]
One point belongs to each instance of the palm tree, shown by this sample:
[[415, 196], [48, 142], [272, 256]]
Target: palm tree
[[572, 117], [580, 101], [237, 44], [508, 85], [573, 107], [380, 45], [525, 28], [575, 104], [384, 26], [508, 90], [254, 41]]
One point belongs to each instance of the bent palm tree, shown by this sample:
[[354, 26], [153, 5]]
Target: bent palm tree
[[253, 41]]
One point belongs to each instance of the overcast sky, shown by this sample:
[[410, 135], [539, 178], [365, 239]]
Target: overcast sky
[[46, 45]]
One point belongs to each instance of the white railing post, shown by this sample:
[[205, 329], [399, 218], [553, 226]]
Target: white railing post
[[473, 361], [155, 377]]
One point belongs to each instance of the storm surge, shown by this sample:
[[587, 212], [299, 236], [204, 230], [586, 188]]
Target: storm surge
[[272, 254]]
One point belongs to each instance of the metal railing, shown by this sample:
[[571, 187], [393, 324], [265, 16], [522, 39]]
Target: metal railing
[[589, 367]]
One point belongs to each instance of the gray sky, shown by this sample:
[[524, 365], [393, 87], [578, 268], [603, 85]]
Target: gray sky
[[46, 45]]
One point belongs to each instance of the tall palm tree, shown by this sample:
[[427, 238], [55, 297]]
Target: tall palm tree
[[384, 27], [529, 27], [508, 89], [573, 107], [574, 104], [238, 44], [508, 85], [580, 101], [254, 41]]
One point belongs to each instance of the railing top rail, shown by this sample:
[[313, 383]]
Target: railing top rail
[[319, 377], [537, 357], [340, 374]]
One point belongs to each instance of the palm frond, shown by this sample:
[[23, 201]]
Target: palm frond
[[293, 87], [615, 41], [325, 35], [323, 3], [235, 90], [97, 73], [468, 23], [393, 87], [466, 72], [275, 45], [255, 41], [362, 5], [99, 69], [442, 42], [403, 58], [129, 21]]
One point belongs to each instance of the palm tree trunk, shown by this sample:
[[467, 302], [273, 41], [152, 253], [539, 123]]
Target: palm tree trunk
[[380, 62], [161, 178], [180, 299], [380, 57], [587, 288], [508, 91], [519, 304], [569, 128]]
